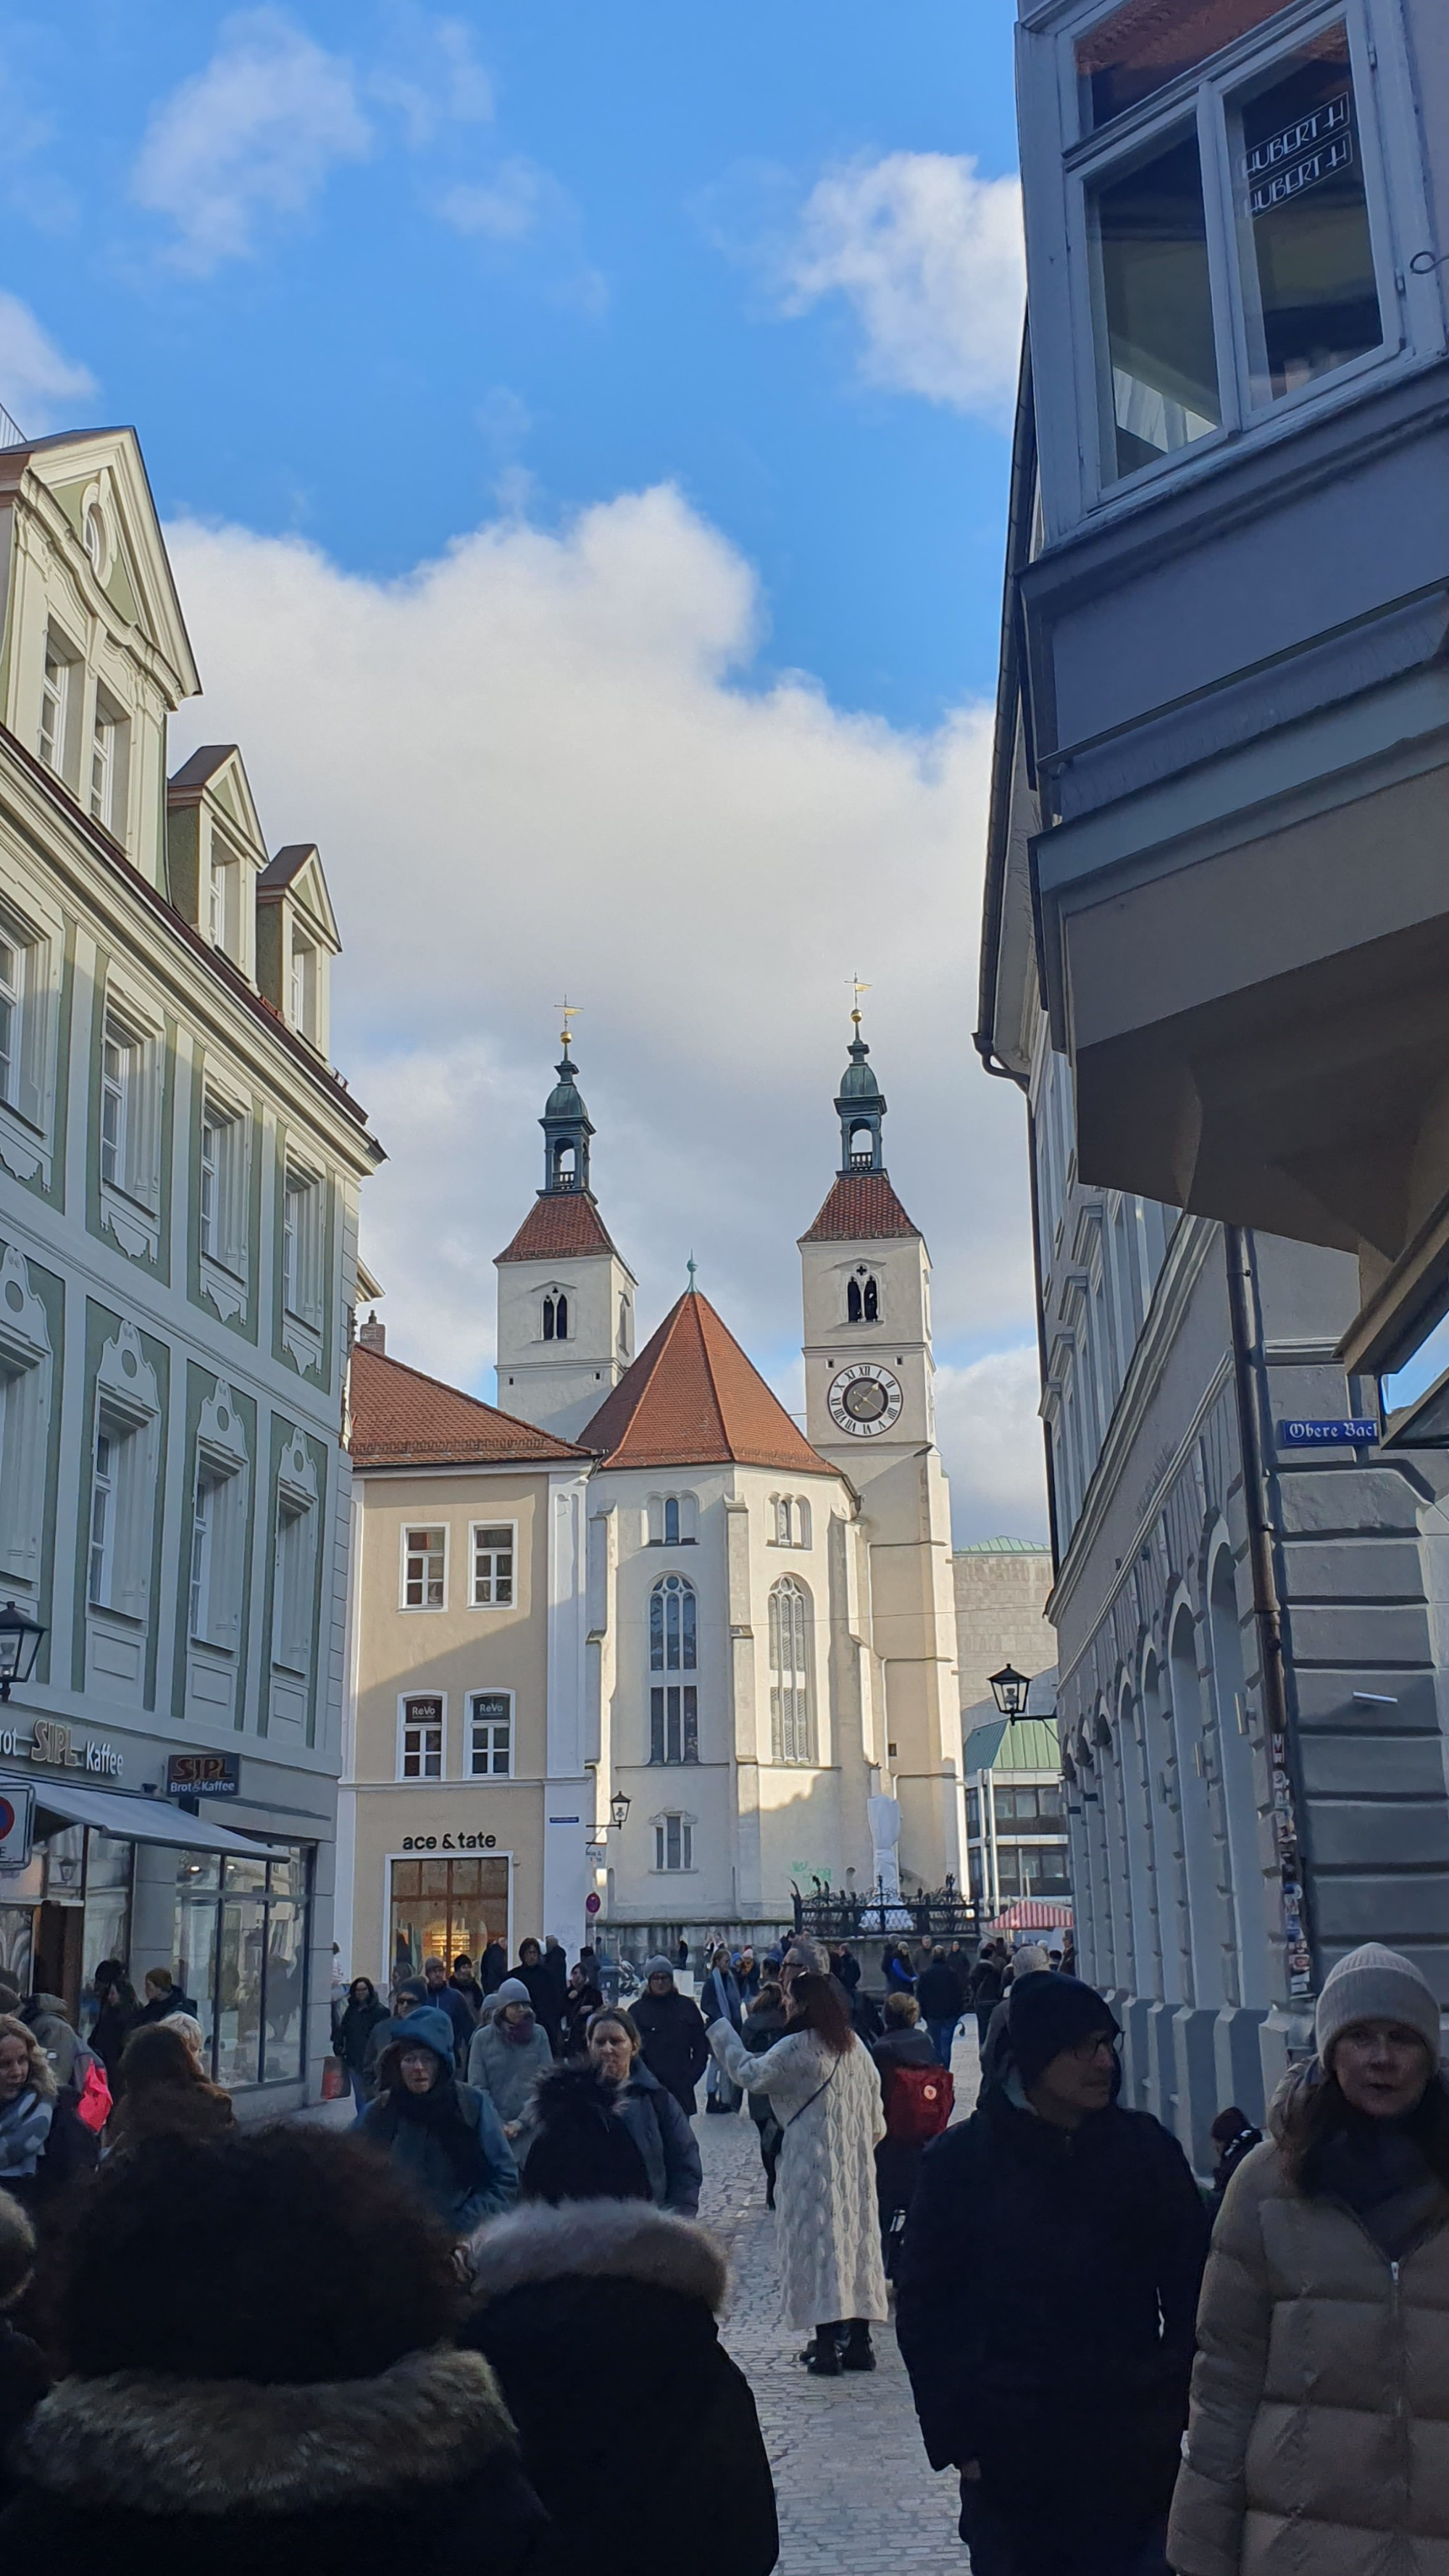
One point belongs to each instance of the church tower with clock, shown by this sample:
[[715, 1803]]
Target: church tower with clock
[[869, 1411]]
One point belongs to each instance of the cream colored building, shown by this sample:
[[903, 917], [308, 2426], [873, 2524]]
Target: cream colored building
[[179, 1174], [464, 1797], [1001, 1587]]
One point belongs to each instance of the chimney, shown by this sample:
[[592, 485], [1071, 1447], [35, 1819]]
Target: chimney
[[372, 1334]]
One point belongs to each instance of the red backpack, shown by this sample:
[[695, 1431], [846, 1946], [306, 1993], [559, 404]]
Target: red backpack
[[919, 2103]]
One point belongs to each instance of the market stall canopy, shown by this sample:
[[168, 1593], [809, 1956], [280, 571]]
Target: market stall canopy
[[137, 1820]]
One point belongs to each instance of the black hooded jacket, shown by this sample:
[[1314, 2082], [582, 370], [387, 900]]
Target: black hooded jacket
[[675, 2048], [1030, 2251], [561, 2293]]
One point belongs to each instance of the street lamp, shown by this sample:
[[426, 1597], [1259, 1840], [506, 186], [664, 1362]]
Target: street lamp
[[19, 1643], [1009, 1689], [619, 1806]]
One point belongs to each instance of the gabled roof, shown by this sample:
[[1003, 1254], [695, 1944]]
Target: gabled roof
[[560, 1225], [862, 1208], [217, 770], [400, 1418], [297, 870], [71, 457], [692, 1399]]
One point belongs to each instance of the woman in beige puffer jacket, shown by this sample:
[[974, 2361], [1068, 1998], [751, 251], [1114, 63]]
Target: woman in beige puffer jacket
[[1318, 2443]]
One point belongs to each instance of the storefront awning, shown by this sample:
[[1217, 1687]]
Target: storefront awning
[[138, 1820]]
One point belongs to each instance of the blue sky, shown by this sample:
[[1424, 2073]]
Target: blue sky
[[367, 372], [583, 436]]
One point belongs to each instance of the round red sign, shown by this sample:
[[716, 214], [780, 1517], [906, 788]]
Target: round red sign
[[7, 1818], [592, 1904]]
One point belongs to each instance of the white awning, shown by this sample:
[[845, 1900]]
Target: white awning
[[139, 1820]]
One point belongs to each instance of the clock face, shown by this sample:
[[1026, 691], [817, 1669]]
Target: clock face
[[865, 1400]]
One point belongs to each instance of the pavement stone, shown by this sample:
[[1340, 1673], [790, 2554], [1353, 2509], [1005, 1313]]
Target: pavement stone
[[855, 2491]]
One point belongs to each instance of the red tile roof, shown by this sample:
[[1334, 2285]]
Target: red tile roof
[[402, 1419], [692, 1399], [558, 1228], [862, 1208]]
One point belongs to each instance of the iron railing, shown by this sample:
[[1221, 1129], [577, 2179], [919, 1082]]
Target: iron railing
[[940, 1914]]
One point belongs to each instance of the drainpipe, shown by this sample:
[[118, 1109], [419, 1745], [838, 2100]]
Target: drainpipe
[[1251, 1386]]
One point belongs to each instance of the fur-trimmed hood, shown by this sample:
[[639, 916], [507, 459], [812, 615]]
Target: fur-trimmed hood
[[144, 2443], [621, 2240]]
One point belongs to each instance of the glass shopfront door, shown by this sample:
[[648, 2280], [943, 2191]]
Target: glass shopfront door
[[439, 1907]]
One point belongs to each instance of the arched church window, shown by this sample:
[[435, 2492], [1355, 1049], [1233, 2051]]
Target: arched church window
[[565, 1166], [862, 1297], [561, 1317], [790, 1727], [623, 1328], [862, 1148], [550, 1319], [673, 1520], [672, 1625]]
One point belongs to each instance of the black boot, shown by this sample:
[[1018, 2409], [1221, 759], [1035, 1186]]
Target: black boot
[[822, 2357], [857, 2354]]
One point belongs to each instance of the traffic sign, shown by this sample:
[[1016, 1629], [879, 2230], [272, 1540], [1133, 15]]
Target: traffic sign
[[592, 1903], [17, 1826]]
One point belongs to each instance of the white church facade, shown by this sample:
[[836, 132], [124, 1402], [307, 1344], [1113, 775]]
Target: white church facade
[[745, 1675]]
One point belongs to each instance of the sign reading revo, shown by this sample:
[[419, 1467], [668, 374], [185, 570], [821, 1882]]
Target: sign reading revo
[[17, 1825], [1352, 1434]]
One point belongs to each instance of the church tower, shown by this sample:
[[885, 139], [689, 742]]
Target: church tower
[[565, 1298], [869, 1410]]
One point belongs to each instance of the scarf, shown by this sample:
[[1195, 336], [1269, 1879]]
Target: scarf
[[1377, 2169], [519, 2033], [24, 2128]]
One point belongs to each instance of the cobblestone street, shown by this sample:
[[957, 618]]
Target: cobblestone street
[[856, 2492]]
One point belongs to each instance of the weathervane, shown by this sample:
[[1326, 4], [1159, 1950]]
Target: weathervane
[[857, 988], [691, 1266], [570, 1011]]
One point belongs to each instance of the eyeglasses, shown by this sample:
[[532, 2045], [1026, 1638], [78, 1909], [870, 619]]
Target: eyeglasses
[[1086, 2049]]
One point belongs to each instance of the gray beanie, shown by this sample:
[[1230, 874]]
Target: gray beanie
[[659, 1967], [810, 1957], [1375, 1984], [513, 1991]]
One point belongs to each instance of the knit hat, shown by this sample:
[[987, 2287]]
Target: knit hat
[[1375, 1984], [1047, 2012], [428, 2027], [512, 1991], [659, 1967]]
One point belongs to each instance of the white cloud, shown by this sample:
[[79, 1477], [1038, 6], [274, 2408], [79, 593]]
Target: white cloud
[[503, 208], [991, 1439], [547, 763], [38, 385], [437, 79], [253, 135], [930, 257]]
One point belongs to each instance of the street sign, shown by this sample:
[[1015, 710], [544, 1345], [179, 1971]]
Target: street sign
[[593, 1904], [1352, 1434], [17, 1824], [203, 1775]]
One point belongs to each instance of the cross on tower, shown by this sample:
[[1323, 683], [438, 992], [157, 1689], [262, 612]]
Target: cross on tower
[[570, 1011], [857, 988]]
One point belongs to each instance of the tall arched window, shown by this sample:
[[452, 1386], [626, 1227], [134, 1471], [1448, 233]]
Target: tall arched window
[[556, 1316], [862, 1298], [673, 1705], [790, 1728]]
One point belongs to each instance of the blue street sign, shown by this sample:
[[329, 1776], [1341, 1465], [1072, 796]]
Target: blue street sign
[[1352, 1434]]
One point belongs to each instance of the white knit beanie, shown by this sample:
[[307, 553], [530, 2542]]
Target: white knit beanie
[[1375, 1984]]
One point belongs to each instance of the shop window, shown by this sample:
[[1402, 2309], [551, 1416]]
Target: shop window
[[420, 1738], [490, 1735], [438, 1907]]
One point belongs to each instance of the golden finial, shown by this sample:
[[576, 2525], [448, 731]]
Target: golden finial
[[570, 1011], [857, 987]]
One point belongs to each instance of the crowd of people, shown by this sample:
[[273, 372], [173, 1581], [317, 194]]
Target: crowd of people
[[240, 2340]]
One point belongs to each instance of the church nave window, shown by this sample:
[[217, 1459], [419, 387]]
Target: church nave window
[[674, 1723], [862, 1298], [790, 1727], [673, 1520], [556, 1315], [674, 1842], [672, 1625], [792, 1521]]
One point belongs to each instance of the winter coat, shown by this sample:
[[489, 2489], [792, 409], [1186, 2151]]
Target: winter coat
[[69, 2155], [938, 1992], [191, 2112], [461, 2191], [157, 2007], [508, 2069], [472, 1994], [46, 2017], [986, 1982], [24, 2129], [1032, 2250], [139, 2475], [719, 1998], [898, 2160], [1234, 2152], [898, 1977], [675, 2048], [829, 2109], [355, 2026], [1319, 2437], [545, 1995], [561, 2294], [113, 2026], [664, 2139], [447, 1999], [493, 1967], [24, 2380], [764, 2024]]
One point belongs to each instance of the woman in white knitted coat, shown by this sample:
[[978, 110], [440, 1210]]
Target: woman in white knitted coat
[[825, 2093]]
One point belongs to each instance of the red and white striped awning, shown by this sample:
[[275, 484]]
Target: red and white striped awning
[[1035, 1914]]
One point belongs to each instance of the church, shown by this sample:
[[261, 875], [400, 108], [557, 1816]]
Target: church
[[743, 1669]]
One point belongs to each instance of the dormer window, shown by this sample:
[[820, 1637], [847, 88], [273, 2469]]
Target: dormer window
[[223, 902], [304, 987], [556, 1315], [862, 1297]]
